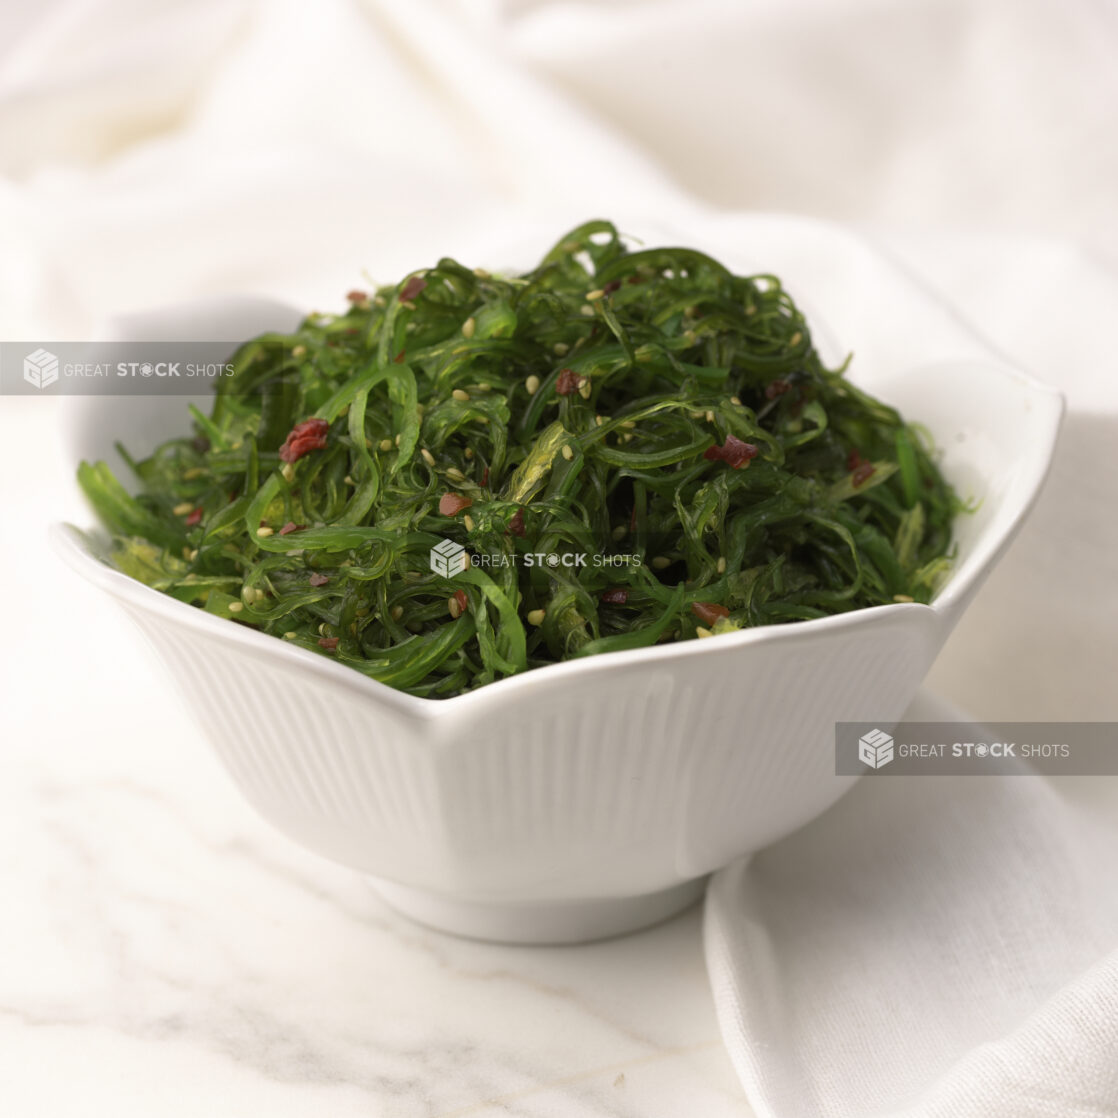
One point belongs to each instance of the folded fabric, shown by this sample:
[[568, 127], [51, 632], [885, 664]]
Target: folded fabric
[[930, 947]]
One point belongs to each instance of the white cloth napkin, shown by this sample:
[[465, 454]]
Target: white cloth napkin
[[929, 947]]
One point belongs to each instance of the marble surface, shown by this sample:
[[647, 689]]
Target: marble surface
[[167, 953]]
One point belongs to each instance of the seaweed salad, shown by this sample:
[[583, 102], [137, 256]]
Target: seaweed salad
[[467, 475]]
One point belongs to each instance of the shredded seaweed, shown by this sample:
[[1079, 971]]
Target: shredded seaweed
[[632, 447]]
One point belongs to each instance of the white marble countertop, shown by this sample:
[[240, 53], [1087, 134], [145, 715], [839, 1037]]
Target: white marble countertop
[[167, 953]]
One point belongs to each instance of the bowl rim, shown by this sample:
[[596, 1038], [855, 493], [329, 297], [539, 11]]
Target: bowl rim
[[74, 546], [77, 549]]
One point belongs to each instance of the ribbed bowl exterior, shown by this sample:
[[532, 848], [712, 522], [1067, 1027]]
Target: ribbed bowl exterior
[[618, 781]]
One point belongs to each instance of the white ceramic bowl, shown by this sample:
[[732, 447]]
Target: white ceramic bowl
[[590, 797]]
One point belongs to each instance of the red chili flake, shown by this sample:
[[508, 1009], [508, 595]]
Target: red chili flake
[[616, 597], [263, 524], [412, 288], [633, 519], [611, 287], [862, 474], [194, 518], [516, 524], [318, 580], [776, 388], [733, 452], [399, 358], [461, 599], [634, 279], [304, 437], [485, 477], [567, 383], [854, 460], [709, 612], [329, 643], [290, 527], [451, 504], [356, 296]]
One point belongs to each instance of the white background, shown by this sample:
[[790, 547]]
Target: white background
[[152, 151]]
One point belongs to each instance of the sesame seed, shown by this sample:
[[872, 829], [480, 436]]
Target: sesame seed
[[385, 444], [536, 616], [193, 472], [619, 532], [184, 509], [722, 564], [481, 273], [348, 480], [568, 453], [193, 555], [751, 309], [533, 385], [264, 533], [903, 598], [288, 472], [626, 438], [379, 301], [468, 327], [396, 441], [408, 304], [397, 612], [796, 338], [428, 457], [468, 453], [587, 310], [735, 401], [484, 386], [585, 388], [561, 349], [455, 608], [710, 417], [460, 394], [299, 351], [595, 295], [700, 632], [455, 474], [290, 636], [661, 563], [235, 607], [598, 421], [468, 520], [628, 424]]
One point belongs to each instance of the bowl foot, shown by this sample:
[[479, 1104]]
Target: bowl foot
[[539, 922]]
